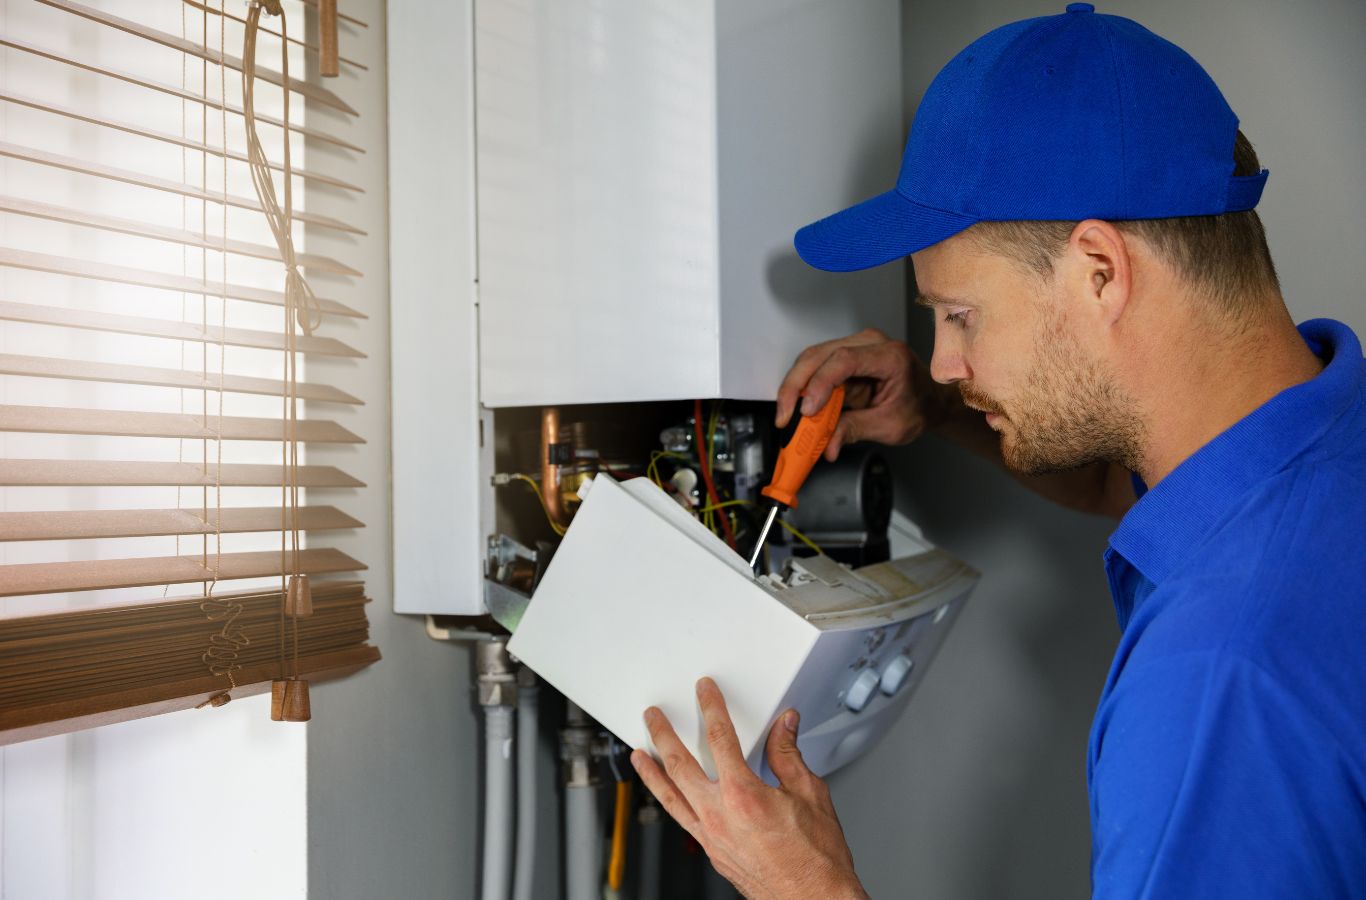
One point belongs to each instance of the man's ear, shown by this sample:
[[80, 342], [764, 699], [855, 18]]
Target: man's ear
[[1101, 268]]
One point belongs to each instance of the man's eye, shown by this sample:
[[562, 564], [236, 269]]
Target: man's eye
[[959, 318]]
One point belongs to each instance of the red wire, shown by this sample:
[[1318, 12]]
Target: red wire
[[704, 458]]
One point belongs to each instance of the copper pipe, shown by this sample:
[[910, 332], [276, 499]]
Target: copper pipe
[[550, 473]]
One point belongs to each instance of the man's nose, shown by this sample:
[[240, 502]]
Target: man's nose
[[947, 365]]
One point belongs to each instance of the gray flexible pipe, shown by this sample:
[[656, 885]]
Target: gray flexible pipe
[[583, 844], [498, 810], [528, 701], [651, 841]]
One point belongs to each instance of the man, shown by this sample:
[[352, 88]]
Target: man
[[1078, 202]]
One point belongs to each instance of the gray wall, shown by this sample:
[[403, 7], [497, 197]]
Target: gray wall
[[980, 791], [393, 752]]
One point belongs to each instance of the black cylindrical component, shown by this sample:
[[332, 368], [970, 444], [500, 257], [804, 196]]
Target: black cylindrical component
[[847, 500]]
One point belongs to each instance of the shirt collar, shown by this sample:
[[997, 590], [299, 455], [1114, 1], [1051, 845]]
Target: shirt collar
[[1172, 518]]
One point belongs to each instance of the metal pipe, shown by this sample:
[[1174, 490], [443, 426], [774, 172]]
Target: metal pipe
[[583, 843], [528, 706], [497, 683], [582, 826], [550, 470], [498, 804]]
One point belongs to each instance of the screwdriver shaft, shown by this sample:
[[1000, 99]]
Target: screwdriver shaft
[[763, 534]]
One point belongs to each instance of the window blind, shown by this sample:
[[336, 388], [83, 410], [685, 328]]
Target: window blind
[[154, 356]]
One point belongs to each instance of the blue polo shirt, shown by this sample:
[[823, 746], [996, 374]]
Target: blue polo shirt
[[1228, 754]]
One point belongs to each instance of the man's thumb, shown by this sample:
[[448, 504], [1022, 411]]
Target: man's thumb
[[783, 756]]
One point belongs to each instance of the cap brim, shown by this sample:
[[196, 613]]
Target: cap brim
[[874, 232]]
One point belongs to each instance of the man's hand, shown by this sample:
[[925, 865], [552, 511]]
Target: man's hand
[[889, 394], [776, 843]]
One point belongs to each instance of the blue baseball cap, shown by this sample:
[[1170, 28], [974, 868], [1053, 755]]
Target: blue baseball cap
[[1062, 118]]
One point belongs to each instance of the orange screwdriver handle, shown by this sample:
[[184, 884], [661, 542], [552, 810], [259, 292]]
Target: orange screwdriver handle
[[796, 459]]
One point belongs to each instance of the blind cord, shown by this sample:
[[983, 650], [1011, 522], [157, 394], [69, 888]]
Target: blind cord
[[226, 644], [301, 308]]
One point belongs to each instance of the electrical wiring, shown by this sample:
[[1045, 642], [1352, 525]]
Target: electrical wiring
[[726, 504], [518, 476], [713, 508], [652, 470], [621, 473], [799, 536], [790, 528], [708, 511], [712, 421], [705, 465]]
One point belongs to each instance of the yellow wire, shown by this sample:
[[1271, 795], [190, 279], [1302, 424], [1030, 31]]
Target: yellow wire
[[795, 533], [724, 504], [708, 510], [799, 536], [652, 471], [541, 497]]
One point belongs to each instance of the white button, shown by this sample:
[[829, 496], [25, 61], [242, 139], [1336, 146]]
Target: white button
[[894, 676], [861, 691]]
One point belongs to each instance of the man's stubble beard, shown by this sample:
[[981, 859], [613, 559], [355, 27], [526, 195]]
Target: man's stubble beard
[[1071, 412]]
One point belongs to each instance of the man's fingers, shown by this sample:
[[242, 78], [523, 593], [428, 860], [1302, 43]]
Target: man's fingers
[[725, 746], [879, 362], [890, 425], [790, 391], [834, 371], [859, 393], [785, 759], [841, 437], [669, 797], [810, 360], [679, 764]]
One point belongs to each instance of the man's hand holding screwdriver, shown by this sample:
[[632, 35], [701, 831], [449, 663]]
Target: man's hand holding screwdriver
[[889, 395]]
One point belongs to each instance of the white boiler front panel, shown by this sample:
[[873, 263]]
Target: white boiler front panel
[[641, 600]]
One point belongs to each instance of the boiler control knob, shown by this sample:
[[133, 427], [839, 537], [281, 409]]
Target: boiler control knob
[[861, 691], [894, 676]]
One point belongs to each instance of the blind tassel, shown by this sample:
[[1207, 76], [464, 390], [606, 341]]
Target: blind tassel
[[298, 597], [289, 700]]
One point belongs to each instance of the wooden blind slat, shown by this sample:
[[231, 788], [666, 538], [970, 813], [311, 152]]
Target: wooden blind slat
[[311, 91], [89, 669], [62, 717], [88, 677], [94, 622], [89, 575], [129, 423], [179, 93], [84, 268], [137, 473], [139, 179], [163, 328], [34, 208], [118, 373], [111, 523], [165, 137]]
